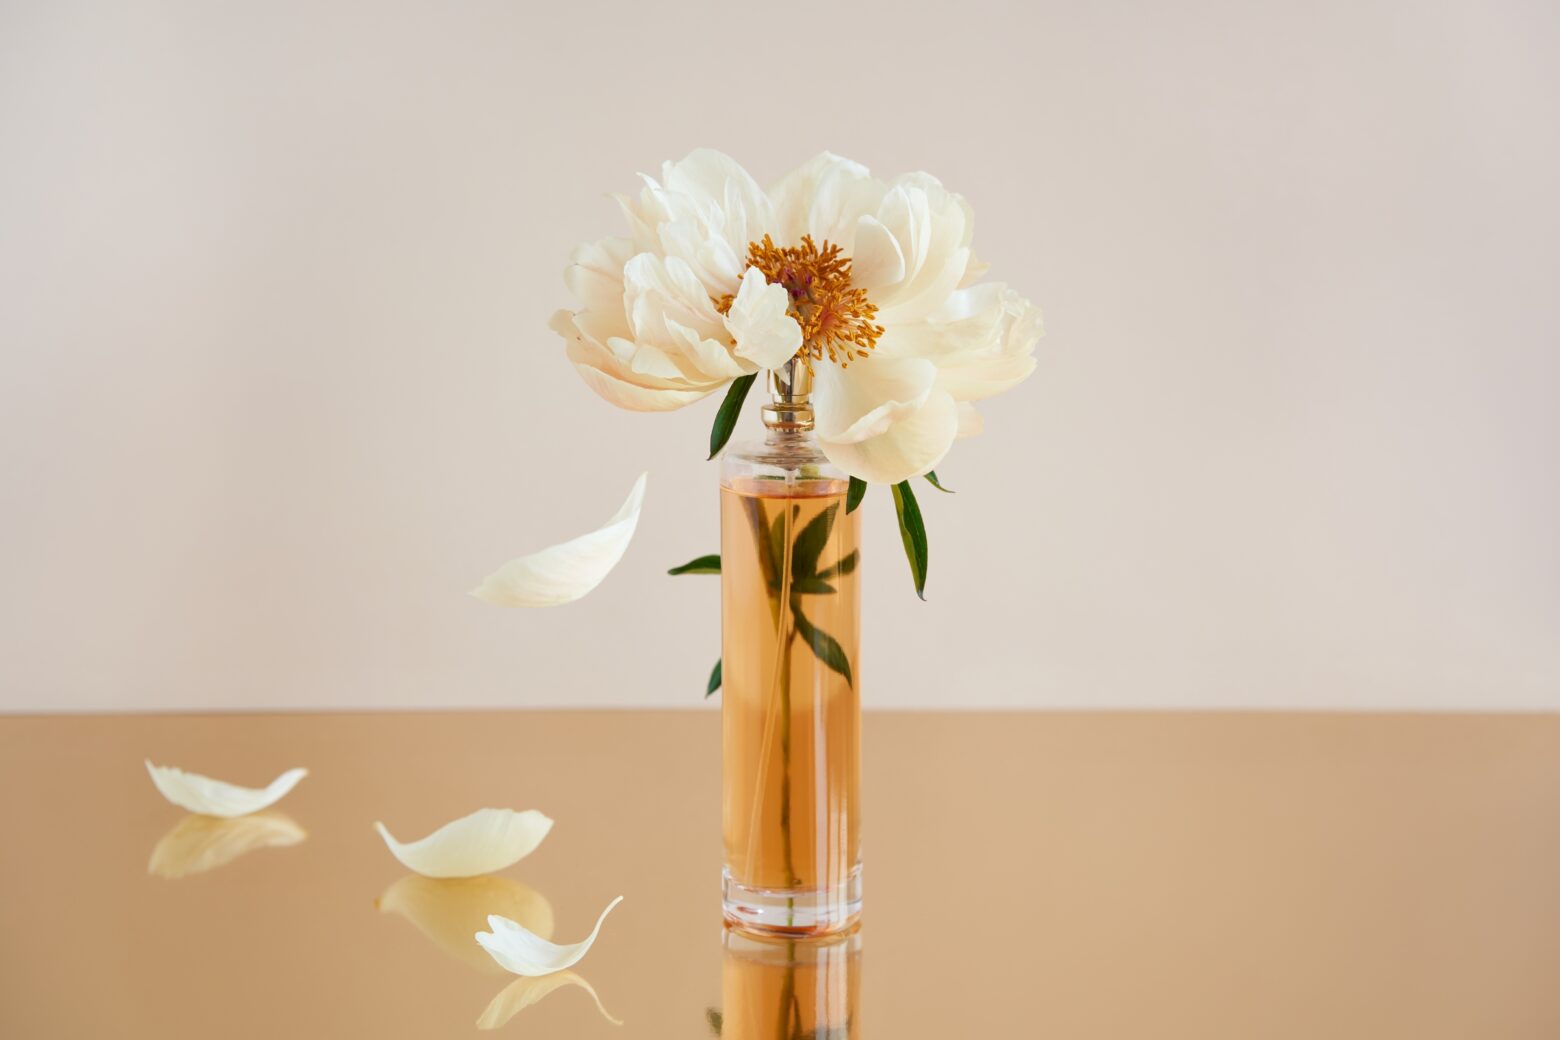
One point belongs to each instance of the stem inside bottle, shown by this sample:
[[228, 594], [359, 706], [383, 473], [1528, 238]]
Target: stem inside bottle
[[791, 711]]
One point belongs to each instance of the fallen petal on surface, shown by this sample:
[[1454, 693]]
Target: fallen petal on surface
[[519, 951], [565, 572], [486, 841], [523, 992], [449, 910], [199, 843], [202, 794]]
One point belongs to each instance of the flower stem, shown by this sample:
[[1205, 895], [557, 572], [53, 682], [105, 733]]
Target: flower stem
[[788, 993], [791, 879]]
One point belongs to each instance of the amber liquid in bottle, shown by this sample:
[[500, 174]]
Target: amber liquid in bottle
[[790, 614]]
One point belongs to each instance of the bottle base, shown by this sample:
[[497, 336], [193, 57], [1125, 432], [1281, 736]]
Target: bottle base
[[792, 911]]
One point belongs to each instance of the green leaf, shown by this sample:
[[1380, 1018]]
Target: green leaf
[[809, 544], [931, 478], [730, 409], [854, 494], [714, 683], [715, 1019], [845, 566], [777, 545], [824, 646], [703, 565], [912, 531], [754, 509], [812, 587]]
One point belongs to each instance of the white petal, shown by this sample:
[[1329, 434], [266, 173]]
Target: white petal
[[485, 841], [970, 421], [822, 198], [520, 951], [523, 992], [201, 794], [876, 258], [974, 270], [719, 182], [704, 210], [759, 321], [567, 571], [910, 446], [199, 843], [630, 395], [987, 338], [715, 262], [448, 910], [865, 399], [657, 289], [933, 228], [587, 340], [715, 357]]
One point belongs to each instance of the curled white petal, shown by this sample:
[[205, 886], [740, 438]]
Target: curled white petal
[[485, 841], [202, 794], [866, 399], [448, 910], [989, 335], [518, 950], [569, 570], [200, 843], [823, 198], [877, 258], [525, 991], [910, 447], [760, 322]]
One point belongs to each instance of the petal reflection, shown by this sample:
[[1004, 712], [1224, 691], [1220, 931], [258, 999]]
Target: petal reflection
[[525, 991], [198, 843], [451, 910]]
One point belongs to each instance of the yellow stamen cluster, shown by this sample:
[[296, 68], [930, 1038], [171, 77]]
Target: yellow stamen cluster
[[836, 318]]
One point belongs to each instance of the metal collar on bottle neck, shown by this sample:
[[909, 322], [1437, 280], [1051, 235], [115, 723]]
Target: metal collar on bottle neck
[[790, 387]]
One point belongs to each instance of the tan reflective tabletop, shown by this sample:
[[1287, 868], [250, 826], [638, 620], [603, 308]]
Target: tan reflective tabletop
[[1046, 875]]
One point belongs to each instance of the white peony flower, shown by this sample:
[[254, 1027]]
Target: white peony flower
[[872, 283]]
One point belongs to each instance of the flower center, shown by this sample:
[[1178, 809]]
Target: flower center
[[836, 318]]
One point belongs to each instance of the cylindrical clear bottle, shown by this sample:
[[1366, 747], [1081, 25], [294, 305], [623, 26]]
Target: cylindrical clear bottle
[[791, 706]]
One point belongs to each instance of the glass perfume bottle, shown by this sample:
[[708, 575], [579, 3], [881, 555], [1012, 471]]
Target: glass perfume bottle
[[791, 705]]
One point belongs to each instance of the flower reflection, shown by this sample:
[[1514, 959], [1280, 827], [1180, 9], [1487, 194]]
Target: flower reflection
[[451, 911], [198, 843], [789, 989], [525, 991]]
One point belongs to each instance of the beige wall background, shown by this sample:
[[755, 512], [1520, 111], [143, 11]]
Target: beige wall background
[[277, 388]]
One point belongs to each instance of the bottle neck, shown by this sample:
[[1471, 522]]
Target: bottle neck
[[790, 406], [789, 452]]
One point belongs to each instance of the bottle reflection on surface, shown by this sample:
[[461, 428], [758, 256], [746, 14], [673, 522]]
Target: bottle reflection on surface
[[779, 989], [198, 843]]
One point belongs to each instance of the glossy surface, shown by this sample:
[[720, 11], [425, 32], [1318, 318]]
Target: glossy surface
[[1072, 876]]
